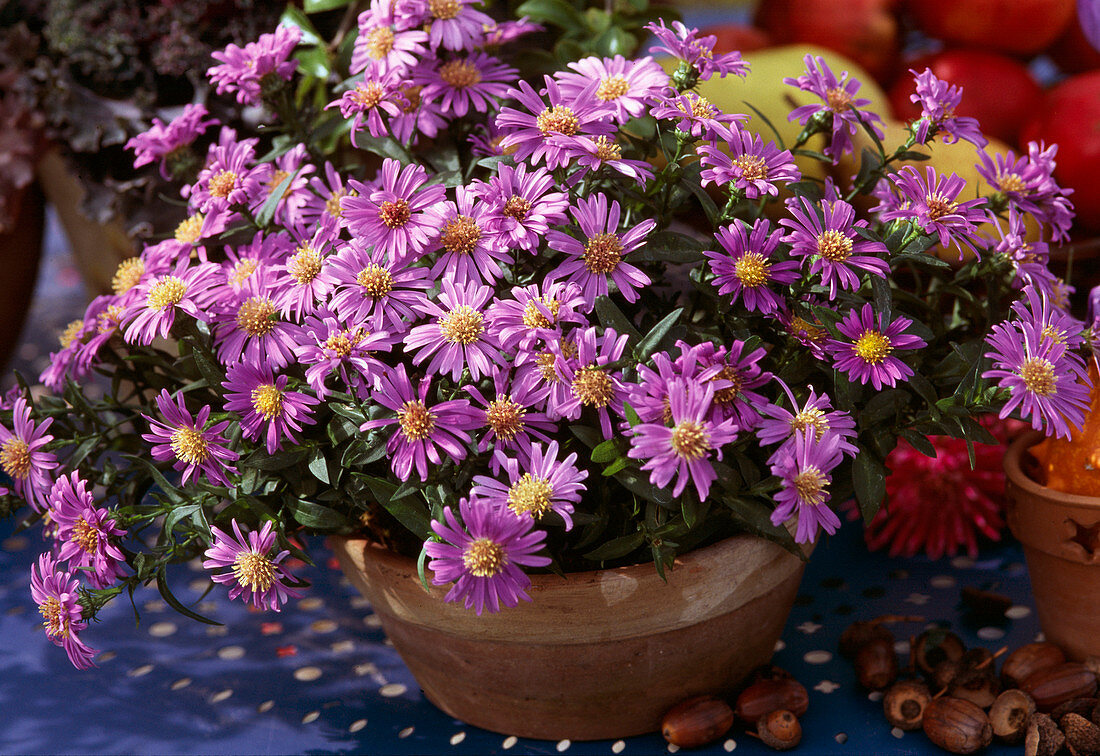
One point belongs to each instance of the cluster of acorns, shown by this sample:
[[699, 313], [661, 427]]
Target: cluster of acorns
[[772, 703], [955, 695]]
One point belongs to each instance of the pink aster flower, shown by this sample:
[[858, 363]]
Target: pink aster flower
[[400, 217], [1052, 321], [330, 347], [323, 203], [590, 382], [186, 439], [1028, 184], [24, 458], [484, 555], [381, 46], [683, 451], [366, 104], [372, 288], [228, 178], [304, 278], [56, 593], [456, 339], [248, 327], [839, 104], [167, 143], [422, 430], [751, 166], [1047, 384], [931, 202], [510, 418], [420, 118], [521, 206], [825, 235], [87, 534], [476, 81], [292, 163], [455, 24], [695, 115], [744, 267], [736, 373], [468, 252], [781, 425], [938, 101], [541, 485], [625, 85], [868, 354], [593, 154], [532, 130], [246, 70], [685, 44], [254, 574], [598, 260], [265, 405], [536, 312], [803, 473]]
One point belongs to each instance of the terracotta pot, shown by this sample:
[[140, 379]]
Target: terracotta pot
[[20, 252], [601, 654], [1060, 533]]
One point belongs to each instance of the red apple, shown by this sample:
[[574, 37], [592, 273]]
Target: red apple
[[997, 90], [1070, 117], [741, 38], [1072, 51], [1020, 27], [864, 30]]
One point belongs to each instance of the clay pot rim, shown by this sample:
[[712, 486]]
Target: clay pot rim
[[1014, 471]]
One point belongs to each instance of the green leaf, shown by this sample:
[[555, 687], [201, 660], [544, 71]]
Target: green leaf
[[316, 516], [177, 514], [883, 406], [919, 442], [172, 601], [615, 466], [556, 12], [669, 246], [280, 460], [320, 6], [616, 548], [615, 41], [612, 317], [318, 465], [631, 415], [652, 340], [407, 509], [869, 480], [267, 212], [294, 17], [607, 451]]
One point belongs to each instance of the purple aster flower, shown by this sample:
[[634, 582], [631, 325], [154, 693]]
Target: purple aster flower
[[587, 154], [248, 327], [420, 118], [265, 405], [484, 555], [868, 355], [56, 594], [744, 268], [1053, 205], [169, 143], [502, 32], [649, 396], [476, 81], [254, 575], [23, 457], [329, 346], [839, 104], [228, 177], [187, 440], [750, 165], [536, 366], [804, 474], [457, 337], [683, 450], [1028, 183], [246, 70], [938, 101], [590, 382], [381, 46], [783, 426], [293, 162], [625, 85], [510, 418], [324, 202], [1030, 259], [422, 430], [681, 42], [469, 253], [377, 94], [599, 258], [399, 218], [521, 205], [304, 278], [931, 202], [264, 252], [532, 130], [1046, 382], [455, 24], [739, 374], [1051, 321], [535, 312], [372, 288], [540, 486], [87, 534], [187, 240], [825, 234], [694, 115]]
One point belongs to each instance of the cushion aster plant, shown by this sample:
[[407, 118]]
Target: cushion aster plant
[[500, 335]]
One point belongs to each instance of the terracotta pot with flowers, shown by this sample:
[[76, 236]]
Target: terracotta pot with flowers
[[446, 306]]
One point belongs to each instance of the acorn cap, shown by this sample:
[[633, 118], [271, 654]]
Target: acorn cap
[[1044, 738], [1082, 736]]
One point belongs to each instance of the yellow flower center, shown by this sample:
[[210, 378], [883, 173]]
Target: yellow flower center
[[254, 571], [462, 325], [267, 400], [56, 621], [395, 214], [752, 270], [15, 458], [128, 273], [276, 178], [811, 484], [838, 99], [304, 265], [517, 207], [256, 316], [68, 336], [872, 347], [531, 495], [808, 330], [533, 316], [602, 253], [505, 417], [368, 94], [412, 98], [689, 440], [166, 292], [380, 42], [484, 557], [1057, 335], [332, 204], [834, 246], [189, 230], [729, 394], [612, 88], [700, 107], [375, 280], [343, 343], [939, 206], [444, 9], [753, 167], [607, 149], [222, 184], [460, 235], [558, 119], [416, 421], [1038, 376], [545, 362], [244, 268], [593, 386], [1010, 182], [85, 536], [460, 73], [189, 446], [811, 417]]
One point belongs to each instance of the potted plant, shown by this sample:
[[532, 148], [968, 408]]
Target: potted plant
[[501, 336]]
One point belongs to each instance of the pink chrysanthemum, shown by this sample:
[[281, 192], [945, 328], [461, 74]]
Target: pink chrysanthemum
[[254, 574], [56, 593], [456, 339], [867, 353], [625, 85], [473, 82], [521, 205], [838, 102], [243, 69], [265, 405], [23, 457], [744, 268], [87, 534], [164, 142], [803, 471], [186, 439], [400, 217], [540, 485], [330, 347]]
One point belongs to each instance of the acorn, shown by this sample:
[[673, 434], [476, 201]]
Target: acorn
[[1051, 686], [876, 664], [933, 646], [766, 696], [1043, 738], [978, 686], [697, 721], [1082, 706], [904, 704], [779, 729], [1028, 659], [1009, 715], [957, 726], [860, 633], [1082, 736]]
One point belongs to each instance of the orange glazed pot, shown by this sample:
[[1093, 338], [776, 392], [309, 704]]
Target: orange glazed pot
[[600, 654], [1060, 533]]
